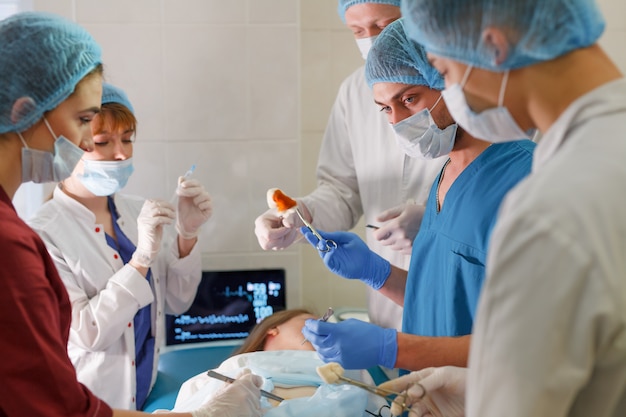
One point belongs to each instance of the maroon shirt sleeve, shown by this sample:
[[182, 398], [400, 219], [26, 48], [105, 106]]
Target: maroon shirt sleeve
[[37, 376]]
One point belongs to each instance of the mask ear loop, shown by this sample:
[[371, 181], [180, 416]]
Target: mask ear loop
[[436, 102], [19, 135], [505, 80], [466, 75], [49, 128]]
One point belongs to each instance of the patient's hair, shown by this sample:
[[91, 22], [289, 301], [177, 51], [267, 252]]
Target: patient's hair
[[256, 339]]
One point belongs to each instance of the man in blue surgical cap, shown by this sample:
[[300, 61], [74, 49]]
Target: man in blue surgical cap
[[361, 172], [440, 290], [550, 333]]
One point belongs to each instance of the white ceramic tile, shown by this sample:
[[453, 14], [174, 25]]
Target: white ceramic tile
[[273, 74], [273, 11], [204, 11], [206, 82], [118, 11], [318, 94], [317, 14], [345, 56], [150, 178], [61, 7], [310, 145], [614, 11], [290, 261], [133, 61]]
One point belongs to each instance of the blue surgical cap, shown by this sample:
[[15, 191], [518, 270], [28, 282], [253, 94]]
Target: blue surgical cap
[[42, 59], [394, 58], [346, 4], [537, 30], [113, 94]]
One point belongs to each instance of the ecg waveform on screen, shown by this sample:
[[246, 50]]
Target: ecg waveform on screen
[[186, 319], [182, 335]]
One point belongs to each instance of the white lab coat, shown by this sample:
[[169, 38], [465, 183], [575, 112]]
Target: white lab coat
[[106, 294], [550, 333], [362, 171]]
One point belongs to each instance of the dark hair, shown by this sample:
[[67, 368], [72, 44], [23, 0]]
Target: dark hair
[[256, 339]]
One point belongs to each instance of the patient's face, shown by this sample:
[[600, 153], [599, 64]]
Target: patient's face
[[288, 336]]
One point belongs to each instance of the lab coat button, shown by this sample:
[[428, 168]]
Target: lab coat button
[[97, 230], [129, 324], [115, 256], [132, 363]]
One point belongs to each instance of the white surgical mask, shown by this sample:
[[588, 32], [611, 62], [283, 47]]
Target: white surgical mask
[[493, 125], [419, 135], [43, 166], [104, 178], [365, 44]]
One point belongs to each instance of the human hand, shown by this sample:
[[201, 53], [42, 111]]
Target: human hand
[[194, 207], [340, 342], [276, 230], [401, 227], [351, 258], [432, 392], [153, 215], [237, 399]]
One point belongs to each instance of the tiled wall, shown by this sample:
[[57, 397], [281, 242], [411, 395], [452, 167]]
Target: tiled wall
[[243, 89]]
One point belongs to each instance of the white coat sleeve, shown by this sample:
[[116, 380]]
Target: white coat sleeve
[[182, 279], [540, 325], [336, 202]]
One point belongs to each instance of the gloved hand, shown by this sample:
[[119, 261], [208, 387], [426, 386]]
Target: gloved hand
[[352, 258], [154, 214], [239, 399], [354, 344], [401, 227], [278, 231], [194, 207], [445, 392]]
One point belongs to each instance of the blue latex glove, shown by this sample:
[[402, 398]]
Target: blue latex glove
[[352, 258], [354, 344]]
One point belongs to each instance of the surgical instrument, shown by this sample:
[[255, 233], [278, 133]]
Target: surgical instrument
[[325, 317], [230, 380]]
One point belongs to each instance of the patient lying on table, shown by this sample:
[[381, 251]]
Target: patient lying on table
[[275, 351]]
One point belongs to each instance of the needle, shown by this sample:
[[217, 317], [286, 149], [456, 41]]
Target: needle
[[325, 317], [186, 175]]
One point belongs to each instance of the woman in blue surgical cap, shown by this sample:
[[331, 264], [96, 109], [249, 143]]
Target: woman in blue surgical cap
[[51, 76], [134, 269], [550, 333]]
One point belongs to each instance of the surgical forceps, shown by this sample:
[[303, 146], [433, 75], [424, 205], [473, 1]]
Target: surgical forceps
[[230, 380], [323, 245], [325, 317]]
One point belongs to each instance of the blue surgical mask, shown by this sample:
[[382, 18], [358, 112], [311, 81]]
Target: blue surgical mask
[[419, 135], [493, 125], [43, 166], [104, 178], [365, 44]]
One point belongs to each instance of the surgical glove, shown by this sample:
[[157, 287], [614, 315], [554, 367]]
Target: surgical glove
[[154, 214], [444, 387], [352, 343], [401, 227], [194, 207], [352, 258], [278, 231], [239, 399]]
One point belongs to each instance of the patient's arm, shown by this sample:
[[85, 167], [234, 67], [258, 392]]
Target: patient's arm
[[295, 392]]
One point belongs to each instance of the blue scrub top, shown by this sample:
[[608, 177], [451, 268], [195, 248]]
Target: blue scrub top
[[144, 341], [447, 266]]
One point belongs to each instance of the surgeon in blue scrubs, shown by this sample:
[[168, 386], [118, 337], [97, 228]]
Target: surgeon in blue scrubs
[[441, 288]]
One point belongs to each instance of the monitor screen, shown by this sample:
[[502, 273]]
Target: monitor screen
[[228, 304]]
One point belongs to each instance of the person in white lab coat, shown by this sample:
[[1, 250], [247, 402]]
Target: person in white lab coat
[[123, 267], [550, 332], [51, 70], [361, 171]]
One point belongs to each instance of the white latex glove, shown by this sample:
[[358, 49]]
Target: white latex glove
[[278, 231], [154, 214], [239, 399], [445, 392], [194, 207], [401, 227]]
